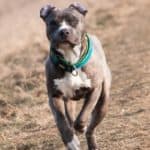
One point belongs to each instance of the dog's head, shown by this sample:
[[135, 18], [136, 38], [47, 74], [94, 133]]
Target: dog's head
[[64, 26]]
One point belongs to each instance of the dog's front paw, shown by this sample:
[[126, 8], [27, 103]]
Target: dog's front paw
[[74, 144], [80, 127]]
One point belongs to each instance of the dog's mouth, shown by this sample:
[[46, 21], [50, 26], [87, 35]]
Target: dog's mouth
[[70, 42], [65, 45]]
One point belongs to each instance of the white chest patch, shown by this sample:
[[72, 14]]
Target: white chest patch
[[70, 83]]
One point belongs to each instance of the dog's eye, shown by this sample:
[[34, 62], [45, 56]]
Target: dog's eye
[[73, 21], [53, 23]]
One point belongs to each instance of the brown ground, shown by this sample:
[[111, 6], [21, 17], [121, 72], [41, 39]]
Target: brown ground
[[25, 119]]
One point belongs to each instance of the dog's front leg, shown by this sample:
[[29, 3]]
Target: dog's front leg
[[70, 108], [86, 110], [67, 134]]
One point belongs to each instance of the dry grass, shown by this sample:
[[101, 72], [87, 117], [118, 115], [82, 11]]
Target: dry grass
[[25, 118]]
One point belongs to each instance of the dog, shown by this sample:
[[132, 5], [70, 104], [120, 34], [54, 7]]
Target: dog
[[76, 68]]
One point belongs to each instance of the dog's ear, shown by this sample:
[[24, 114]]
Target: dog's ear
[[46, 10], [79, 7]]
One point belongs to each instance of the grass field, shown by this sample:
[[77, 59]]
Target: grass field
[[26, 122]]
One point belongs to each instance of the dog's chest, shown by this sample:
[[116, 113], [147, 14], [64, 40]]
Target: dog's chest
[[72, 85]]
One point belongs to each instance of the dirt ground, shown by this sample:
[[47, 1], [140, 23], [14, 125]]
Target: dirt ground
[[26, 122]]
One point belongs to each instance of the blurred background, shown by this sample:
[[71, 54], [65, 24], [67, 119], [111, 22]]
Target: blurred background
[[25, 119]]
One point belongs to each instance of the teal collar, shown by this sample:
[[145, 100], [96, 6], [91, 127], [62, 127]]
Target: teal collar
[[67, 66]]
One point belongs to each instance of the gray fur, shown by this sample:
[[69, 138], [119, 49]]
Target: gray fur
[[95, 95]]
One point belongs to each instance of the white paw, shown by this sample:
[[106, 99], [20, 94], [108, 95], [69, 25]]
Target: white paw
[[74, 144], [85, 129]]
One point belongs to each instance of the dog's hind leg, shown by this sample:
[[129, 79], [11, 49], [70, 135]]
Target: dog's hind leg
[[69, 138], [97, 116]]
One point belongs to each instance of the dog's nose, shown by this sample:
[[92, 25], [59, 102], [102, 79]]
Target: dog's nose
[[64, 33]]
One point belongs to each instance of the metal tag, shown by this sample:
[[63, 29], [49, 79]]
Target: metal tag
[[74, 72]]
